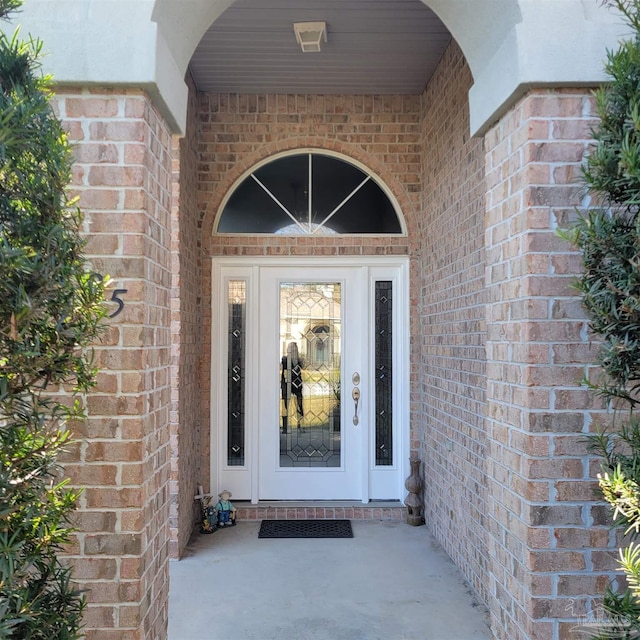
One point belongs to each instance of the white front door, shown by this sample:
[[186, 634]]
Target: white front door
[[312, 342], [310, 375]]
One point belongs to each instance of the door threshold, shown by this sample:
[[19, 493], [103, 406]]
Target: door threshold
[[320, 503], [320, 510]]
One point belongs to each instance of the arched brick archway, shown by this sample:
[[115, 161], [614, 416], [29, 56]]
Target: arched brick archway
[[349, 151], [500, 41]]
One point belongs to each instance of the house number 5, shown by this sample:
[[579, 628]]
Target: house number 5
[[115, 295]]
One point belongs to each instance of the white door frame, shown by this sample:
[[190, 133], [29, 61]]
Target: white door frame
[[243, 480]]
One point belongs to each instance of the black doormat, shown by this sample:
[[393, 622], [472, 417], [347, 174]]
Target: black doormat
[[305, 529]]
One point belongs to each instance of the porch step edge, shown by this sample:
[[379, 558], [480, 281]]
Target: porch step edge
[[320, 511]]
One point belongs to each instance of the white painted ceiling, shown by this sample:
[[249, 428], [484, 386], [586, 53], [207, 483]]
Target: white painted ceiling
[[374, 46]]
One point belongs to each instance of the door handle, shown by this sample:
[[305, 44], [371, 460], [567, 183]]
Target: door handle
[[355, 394]]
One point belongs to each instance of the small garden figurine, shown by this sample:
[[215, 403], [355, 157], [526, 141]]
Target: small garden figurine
[[208, 524], [225, 511]]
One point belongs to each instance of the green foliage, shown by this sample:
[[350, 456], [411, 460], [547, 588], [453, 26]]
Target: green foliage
[[613, 169], [610, 289], [608, 237], [51, 309], [620, 477], [622, 620], [8, 6]]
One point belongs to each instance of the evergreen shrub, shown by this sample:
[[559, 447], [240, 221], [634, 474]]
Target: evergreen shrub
[[51, 309]]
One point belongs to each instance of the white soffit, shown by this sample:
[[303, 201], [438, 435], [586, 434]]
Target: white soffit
[[373, 46]]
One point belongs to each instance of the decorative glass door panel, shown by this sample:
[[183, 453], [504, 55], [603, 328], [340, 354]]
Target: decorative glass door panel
[[310, 343]]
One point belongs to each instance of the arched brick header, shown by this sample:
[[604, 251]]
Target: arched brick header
[[396, 189]]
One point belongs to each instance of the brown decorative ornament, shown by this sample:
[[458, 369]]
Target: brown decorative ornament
[[413, 502]]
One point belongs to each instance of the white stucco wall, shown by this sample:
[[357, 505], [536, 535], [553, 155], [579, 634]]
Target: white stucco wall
[[544, 43], [510, 45], [107, 43]]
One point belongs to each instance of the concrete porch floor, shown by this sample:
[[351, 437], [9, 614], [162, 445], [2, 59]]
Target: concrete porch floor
[[389, 582]]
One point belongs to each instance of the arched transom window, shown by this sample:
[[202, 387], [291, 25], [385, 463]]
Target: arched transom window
[[309, 193]]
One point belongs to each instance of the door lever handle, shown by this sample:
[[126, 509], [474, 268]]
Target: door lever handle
[[355, 394]]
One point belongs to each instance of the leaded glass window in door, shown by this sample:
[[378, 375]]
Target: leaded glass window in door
[[310, 348]]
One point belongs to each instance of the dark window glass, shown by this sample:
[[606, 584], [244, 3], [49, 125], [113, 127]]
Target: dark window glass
[[333, 181], [384, 372], [251, 210], [288, 180], [309, 194], [236, 373], [369, 211]]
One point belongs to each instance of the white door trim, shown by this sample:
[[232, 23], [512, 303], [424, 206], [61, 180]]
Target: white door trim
[[244, 479]]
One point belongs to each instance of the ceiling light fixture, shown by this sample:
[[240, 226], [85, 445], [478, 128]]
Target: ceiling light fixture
[[309, 35]]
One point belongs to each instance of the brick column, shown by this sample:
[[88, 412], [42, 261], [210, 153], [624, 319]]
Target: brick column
[[187, 337], [122, 178], [549, 545]]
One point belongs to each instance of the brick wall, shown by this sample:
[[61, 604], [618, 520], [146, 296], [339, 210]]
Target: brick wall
[[448, 336], [237, 131], [186, 336], [510, 495], [548, 538], [122, 176], [410, 142]]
